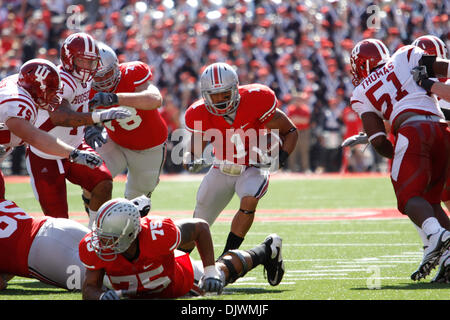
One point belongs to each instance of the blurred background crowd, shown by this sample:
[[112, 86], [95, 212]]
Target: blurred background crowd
[[299, 48]]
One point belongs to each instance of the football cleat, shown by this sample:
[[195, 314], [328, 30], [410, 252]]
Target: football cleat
[[274, 265], [443, 274], [438, 244], [143, 204]]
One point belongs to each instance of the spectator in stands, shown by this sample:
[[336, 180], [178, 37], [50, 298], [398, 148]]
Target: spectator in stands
[[299, 112]]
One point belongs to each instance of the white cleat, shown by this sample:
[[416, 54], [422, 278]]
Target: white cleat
[[274, 266], [438, 244], [443, 274]]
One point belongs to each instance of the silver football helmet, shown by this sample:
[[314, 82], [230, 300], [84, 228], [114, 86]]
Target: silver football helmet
[[220, 78], [108, 72], [117, 225]]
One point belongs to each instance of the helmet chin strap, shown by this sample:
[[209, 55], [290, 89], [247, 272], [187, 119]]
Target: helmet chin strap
[[367, 67]]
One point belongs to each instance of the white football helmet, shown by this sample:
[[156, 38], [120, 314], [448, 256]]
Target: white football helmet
[[117, 225], [218, 78], [108, 73]]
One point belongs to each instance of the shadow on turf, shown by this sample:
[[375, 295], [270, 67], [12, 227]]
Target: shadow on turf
[[31, 288], [411, 286], [250, 291]]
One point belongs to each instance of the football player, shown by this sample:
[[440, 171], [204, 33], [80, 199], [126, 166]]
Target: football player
[[45, 249], [385, 90], [140, 257], [138, 143], [35, 87], [228, 115], [434, 46], [79, 58]]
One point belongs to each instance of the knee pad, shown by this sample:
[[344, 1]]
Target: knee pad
[[233, 274]]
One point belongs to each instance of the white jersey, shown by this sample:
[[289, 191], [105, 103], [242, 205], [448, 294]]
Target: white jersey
[[77, 94], [14, 102], [391, 90]]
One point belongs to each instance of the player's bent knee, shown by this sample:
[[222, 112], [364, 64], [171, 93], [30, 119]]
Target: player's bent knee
[[237, 268]]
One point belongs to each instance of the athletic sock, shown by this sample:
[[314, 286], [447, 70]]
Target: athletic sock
[[258, 254], [233, 242], [431, 226], [92, 217], [422, 235]]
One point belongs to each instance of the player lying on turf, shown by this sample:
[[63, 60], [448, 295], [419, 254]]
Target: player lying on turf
[[139, 256], [43, 248]]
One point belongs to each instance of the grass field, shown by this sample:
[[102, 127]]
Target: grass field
[[342, 239]]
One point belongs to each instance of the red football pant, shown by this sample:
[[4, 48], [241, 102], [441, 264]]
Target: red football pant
[[48, 179], [420, 163]]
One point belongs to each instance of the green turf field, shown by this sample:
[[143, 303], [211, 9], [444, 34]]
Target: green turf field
[[329, 252]]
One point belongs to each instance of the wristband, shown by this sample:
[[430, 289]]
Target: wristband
[[95, 117], [210, 271], [376, 135], [283, 155]]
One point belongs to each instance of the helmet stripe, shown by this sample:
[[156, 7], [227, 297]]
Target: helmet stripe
[[101, 215], [216, 75]]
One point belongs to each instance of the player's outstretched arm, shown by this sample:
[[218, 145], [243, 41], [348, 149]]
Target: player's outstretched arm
[[38, 138], [197, 231], [146, 97], [64, 116], [50, 144], [92, 286]]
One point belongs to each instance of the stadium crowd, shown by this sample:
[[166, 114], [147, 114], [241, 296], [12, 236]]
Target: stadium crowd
[[299, 48]]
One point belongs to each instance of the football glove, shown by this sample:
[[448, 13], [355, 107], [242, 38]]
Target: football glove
[[110, 114], [86, 158], [420, 76], [356, 139], [211, 281], [193, 165], [94, 137], [109, 295], [2, 150], [143, 204], [104, 99]]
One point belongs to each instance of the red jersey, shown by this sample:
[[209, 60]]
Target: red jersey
[[352, 122], [145, 128], [232, 142], [157, 272], [17, 232], [300, 115]]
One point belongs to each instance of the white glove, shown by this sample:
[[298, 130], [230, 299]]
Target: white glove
[[143, 204], [352, 141], [87, 158], [211, 281], [195, 165], [110, 114]]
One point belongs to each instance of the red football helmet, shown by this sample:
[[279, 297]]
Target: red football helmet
[[432, 45], [80, 56], [40, 78], [366, 56]]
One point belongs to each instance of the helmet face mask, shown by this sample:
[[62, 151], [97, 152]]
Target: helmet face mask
[[219, 85], [108, 73], [116, 227]]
